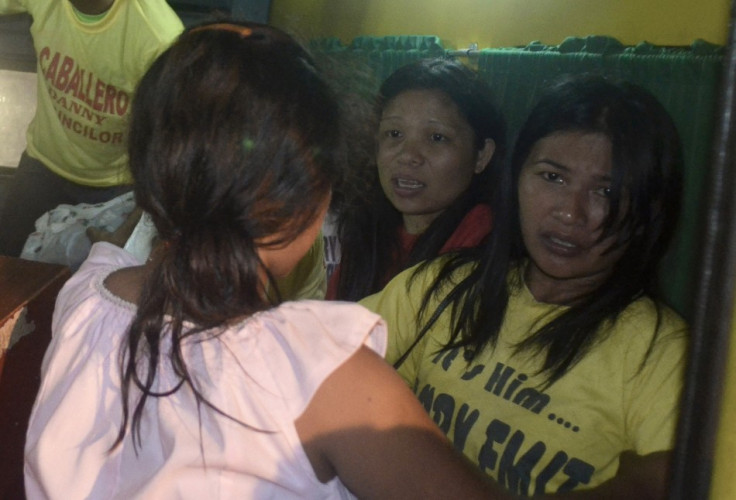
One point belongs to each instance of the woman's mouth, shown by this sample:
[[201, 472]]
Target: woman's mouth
[[407, 185], [563, 243], [562, 246]]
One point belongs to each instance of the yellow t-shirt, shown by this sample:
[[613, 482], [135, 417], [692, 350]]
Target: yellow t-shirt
[[566, 437], [87, 74]]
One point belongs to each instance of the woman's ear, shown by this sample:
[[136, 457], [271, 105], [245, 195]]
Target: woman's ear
[[484, 155]]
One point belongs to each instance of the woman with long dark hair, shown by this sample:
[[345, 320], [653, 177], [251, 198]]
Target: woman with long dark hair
[[547, 356]]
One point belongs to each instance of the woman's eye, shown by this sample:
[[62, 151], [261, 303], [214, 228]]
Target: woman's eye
[[552, 177], [605, 192], [393, 133], [438, 138]]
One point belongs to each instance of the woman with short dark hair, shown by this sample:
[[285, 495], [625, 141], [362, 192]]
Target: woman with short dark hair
[[439, 139]]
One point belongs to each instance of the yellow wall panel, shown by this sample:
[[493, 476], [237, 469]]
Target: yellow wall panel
[[505, 23]]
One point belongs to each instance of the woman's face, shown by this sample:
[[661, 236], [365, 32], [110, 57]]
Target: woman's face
[[564, 190], [281, 260], [426, 155]]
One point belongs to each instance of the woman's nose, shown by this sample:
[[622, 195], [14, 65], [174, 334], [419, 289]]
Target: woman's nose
[[411, 153], [571, 208]]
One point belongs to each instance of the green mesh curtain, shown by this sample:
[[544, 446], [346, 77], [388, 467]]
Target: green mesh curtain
[[329, 44], [379, 55], [388, 53], [685, 80]]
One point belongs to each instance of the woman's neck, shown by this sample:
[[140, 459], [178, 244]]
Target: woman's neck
[[550, 290], [92, 7], [416, 224]]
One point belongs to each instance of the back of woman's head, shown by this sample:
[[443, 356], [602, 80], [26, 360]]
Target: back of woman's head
[[233, 142], [233, 146], [646, 159]]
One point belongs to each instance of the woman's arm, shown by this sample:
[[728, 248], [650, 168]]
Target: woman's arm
[[641, 477], [365, 426]]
